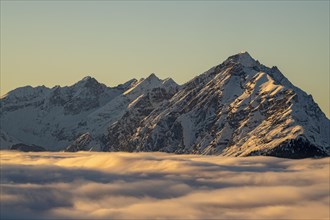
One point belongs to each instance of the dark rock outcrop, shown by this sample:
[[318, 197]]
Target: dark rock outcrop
[[27, 148]]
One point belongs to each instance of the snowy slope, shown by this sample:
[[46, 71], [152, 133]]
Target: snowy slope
[[55, 118], [146, 96], [237, 108], [52, 117]]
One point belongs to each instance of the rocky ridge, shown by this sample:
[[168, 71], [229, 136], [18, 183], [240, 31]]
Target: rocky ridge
[[237, 108]]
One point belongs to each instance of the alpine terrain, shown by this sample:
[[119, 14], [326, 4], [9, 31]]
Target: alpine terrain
[[237, 108]]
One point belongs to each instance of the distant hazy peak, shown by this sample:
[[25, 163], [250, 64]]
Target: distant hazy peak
[[25, 91], [127, 84], [169, 81], [86, 78], [153, 77], [87, 81]]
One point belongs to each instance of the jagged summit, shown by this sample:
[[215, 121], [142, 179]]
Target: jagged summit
[[169, 81], [86, 78], [150, 83], [152, 76], [128, 84], [25, 93], [242, 55], [87, 81], [243, 58]]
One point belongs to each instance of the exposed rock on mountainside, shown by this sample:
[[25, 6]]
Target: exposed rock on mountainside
[[238, 108], [27, 148], [81, 144]]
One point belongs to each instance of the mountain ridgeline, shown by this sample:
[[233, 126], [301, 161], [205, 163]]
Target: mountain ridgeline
[[238, 108]]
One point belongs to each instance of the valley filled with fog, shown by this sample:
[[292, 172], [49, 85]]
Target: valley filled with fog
[[96, 185]]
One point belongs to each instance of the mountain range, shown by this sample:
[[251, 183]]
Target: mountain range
[[237, 108]]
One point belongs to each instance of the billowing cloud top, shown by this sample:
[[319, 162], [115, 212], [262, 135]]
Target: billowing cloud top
[[88, 185]]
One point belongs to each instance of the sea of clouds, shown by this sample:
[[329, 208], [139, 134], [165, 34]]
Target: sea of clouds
[[90, 185]]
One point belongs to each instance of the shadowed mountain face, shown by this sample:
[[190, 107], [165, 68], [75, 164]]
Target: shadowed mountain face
[[238, 108]]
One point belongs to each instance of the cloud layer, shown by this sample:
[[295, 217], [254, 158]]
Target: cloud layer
[[89, 185]]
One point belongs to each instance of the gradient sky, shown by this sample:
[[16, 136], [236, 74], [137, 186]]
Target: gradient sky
[[59, 42]]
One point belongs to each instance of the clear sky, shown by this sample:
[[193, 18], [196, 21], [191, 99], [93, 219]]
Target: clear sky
[[59, 42]]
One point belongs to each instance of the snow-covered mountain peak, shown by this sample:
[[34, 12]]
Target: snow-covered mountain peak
[[26, 93], [86, 78], [149, 83], [127, 85], [243, 58], [170, 82], [239, 108], [153, 78], [87, 81]]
